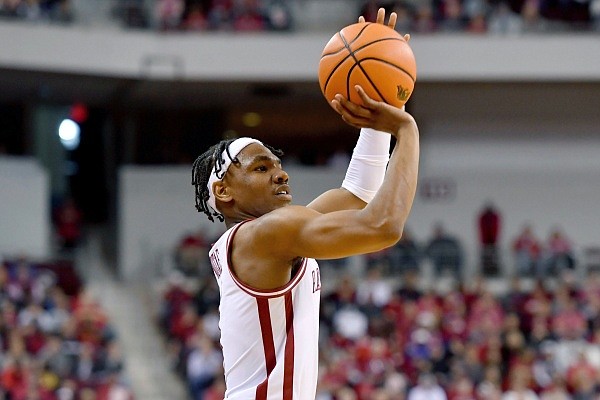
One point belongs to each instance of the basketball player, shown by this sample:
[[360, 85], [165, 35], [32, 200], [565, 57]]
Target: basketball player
[[265, 262]]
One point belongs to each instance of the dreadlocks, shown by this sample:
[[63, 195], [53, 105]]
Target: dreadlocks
[[202, 168]]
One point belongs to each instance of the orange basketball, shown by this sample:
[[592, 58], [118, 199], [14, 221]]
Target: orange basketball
[[373, 56]]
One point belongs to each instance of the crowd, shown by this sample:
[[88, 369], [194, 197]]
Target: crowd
[[467, 343], [415, 16], [380, 341], [38, 10], [385, 336], [490, 16], [56, 342]]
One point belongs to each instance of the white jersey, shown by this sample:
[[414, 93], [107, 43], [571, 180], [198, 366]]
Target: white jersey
[[269, 337]]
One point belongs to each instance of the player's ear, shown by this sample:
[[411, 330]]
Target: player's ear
[[222, 192]]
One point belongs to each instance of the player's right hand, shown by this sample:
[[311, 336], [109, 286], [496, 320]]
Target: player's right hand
[[372, 113]]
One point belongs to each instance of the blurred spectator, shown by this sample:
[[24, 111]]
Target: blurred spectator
[[409, 289], [558, 253], [424, 18], [249, 16], [581, 376], [461, 389], [445, 252], [515, 296], [503, 20], [490, 388], [519, 386], [191, 255], [405, 13], [279, 15], [530, 13], [114, 389], [382, 260], [61, 11], [350, 323], [220, 16], [489, 223], [373, 291], [556, 391], [169, 13], [452, 19], [204, 364], [30, 10], [344, 294], [427, 389], [527, 250], [132, 13], [406, 255], [69, 221], [195, 18]]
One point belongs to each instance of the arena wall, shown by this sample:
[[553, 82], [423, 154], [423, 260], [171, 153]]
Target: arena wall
[[24, 208], [281, 57]]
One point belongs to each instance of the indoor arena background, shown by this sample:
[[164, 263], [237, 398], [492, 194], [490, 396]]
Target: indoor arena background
[[106, 291]]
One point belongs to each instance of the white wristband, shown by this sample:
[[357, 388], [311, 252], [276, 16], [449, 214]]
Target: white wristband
[[368, 164]]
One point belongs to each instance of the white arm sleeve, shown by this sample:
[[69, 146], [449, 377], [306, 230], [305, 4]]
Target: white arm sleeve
[[368, 164]]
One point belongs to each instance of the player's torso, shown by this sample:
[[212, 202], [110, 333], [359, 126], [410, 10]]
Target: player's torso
[[269, 338]]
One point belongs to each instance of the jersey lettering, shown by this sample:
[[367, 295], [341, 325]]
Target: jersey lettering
[[316, 278], [216, 265]]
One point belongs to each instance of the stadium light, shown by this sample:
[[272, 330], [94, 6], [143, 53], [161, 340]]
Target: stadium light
[[69, 133]]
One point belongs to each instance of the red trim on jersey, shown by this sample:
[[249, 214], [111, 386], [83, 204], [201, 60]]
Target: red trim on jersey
[[264, 316], [288, 364], [261, 293]]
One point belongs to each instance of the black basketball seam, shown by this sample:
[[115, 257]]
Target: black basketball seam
[[357, 35], [387, 62], [347, 47], [392, 64], [366, 76], [357, 62]]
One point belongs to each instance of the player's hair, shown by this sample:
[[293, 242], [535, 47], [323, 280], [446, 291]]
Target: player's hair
[[202, 168]]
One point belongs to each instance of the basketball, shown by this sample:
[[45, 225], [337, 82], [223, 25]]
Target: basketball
[[373, 56]]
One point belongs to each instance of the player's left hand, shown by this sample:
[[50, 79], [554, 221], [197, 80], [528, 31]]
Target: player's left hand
[[381, 20]]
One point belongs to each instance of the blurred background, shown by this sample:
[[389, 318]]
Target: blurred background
[[105, 286]]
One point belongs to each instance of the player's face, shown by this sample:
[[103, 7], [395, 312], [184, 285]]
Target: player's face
[[258, 183]]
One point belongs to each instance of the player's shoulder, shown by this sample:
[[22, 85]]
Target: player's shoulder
[[285, 215], [282, 221]]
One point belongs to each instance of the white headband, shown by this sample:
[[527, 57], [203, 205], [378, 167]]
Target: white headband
[[234, 149]]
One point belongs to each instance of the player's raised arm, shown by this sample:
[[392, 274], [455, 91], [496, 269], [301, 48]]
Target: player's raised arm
[[368, 163], [302, 231]]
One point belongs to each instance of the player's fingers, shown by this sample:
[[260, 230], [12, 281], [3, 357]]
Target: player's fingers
[[407, 37], [392, 20], [368, 102], [361, 19], [352, 108], [347, 115], [381, 16]]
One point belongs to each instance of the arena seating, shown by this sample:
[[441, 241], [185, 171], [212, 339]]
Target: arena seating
[[56, 341]]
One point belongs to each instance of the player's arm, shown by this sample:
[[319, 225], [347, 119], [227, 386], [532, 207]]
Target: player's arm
[[363, 177], [368, 163], [302, 231]]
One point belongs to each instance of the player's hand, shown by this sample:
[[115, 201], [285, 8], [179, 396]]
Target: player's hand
[[381, 20], [372, 114]]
